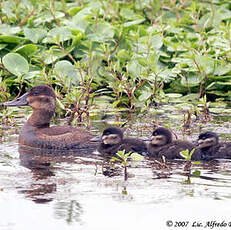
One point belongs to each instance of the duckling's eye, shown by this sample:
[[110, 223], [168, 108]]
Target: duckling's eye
[[114, 137], [154, 134], [35, 93]]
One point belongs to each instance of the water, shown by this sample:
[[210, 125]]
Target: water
[[83, 191]]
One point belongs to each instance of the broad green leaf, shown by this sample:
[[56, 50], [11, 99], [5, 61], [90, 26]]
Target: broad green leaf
[[145, 95], [11, 39], [58, 34], [8, 30], [100, 32], [35, 34], [129, 14], [2, 46], [156, 41], [131, 23], [79, 23], [66, 69], [222, 69], [205, 63], [190, 80], [27, 50], [16, 64]]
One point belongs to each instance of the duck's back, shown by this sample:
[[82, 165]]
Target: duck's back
[[133, 145], [219, 151], [56, 137], [171, 150]]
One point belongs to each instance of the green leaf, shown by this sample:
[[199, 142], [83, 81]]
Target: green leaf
[[191, 80], [8, 30], [100, 33], [196, 173], [196, 162], [184, 153], [27, 50], [11, 39], [121, 153], [131, 23], [66, 69], [136, 157], [16, 64], [222, 69], [57, 35], [205, 63], [35, 34]]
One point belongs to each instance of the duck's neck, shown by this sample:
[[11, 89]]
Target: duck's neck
[[41, 118]]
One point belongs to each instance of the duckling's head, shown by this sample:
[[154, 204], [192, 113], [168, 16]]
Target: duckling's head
[[41, 97], [112, 136], [207, 140], [161, 136]]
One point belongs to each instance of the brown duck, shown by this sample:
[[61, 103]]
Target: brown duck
[[36, 132]]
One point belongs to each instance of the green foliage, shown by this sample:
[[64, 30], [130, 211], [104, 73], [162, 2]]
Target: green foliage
[[123, 159], [135, 52], [186, 154]]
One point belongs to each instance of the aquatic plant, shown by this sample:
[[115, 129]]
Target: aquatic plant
[[129, 53], [123, 160], [188, 165]]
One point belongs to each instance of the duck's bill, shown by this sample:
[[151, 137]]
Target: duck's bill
[[21, 101]]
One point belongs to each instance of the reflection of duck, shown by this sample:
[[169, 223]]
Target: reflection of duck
[[210, 148], [112, 141], [162, 144], [36, 131]]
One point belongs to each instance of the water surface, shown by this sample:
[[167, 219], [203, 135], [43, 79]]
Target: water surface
[[83, 190]]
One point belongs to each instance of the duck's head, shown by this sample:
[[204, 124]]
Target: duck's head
[[161, 136], [42, 99], [112, 136], [207, 140], [39, 97]]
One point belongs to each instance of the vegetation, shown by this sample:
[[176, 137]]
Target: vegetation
[[125, 53], [123, 160]]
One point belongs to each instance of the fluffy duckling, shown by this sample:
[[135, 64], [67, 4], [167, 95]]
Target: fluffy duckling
[[37, 133], [209, 147], [112, 140], [162, 144]]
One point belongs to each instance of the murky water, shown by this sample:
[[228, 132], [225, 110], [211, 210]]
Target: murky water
[[83, 190]]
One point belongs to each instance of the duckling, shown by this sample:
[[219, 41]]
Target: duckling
[[162, 144], [112, 140], [36, 132], [209, 147]]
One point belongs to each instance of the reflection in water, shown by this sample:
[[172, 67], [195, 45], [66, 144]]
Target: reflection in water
[[70, 211], [42, 163]]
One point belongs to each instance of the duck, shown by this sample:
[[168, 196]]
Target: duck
[[112, 140], [162, 144], [38, 133], [209, 148]]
